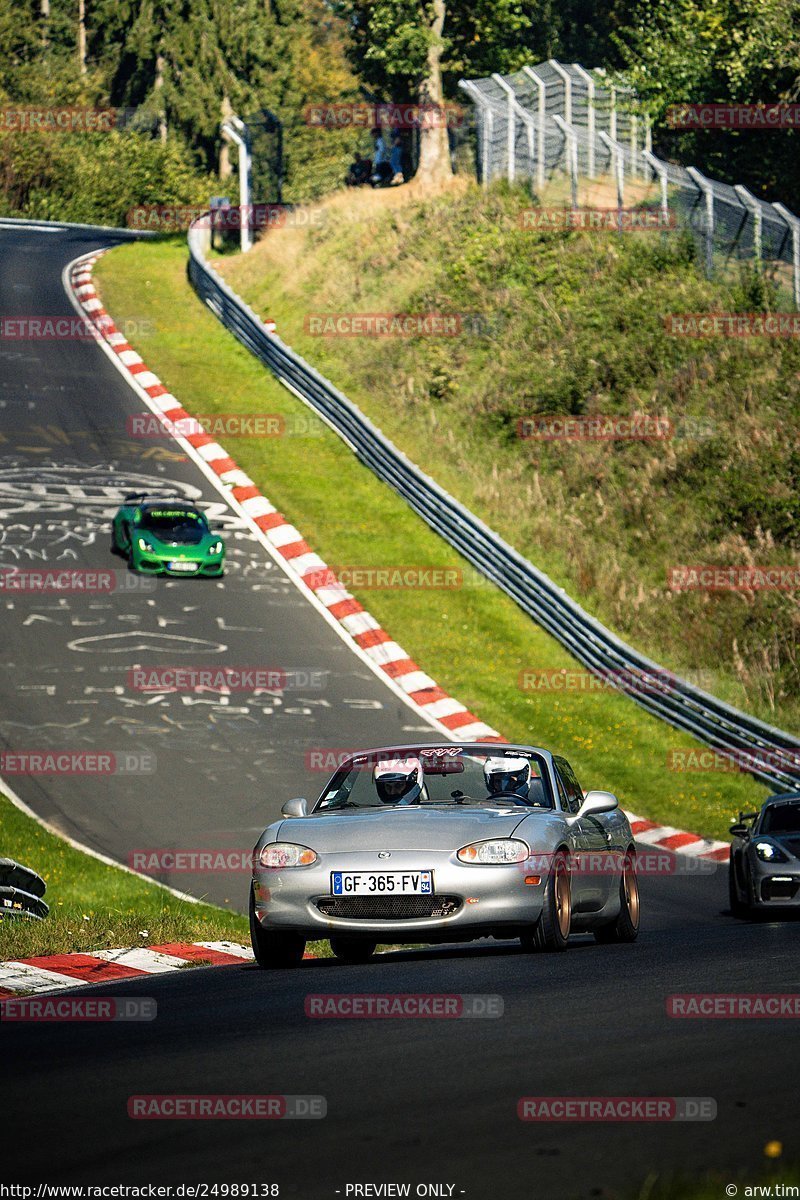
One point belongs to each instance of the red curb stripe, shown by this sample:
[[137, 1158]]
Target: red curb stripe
[[123, 348], [403, 666], [459, 720], [137, 368], [643, 826], [157, 389], [221, 465], [246, 493], [372, 637], [344, 608], [721, 855], [199, 439], [82, 966], [294, 549], [270, 520], [429, 695], [192, 953], [676, 840]]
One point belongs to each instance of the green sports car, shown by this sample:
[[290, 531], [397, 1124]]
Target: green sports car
[[166, 537]]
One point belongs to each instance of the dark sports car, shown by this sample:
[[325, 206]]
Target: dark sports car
[[764, 868]]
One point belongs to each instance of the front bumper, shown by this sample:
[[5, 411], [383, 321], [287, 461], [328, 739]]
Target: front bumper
[[467, 901], [775, 885], [151, 564]]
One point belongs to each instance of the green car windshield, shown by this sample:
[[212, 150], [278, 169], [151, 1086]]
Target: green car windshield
[[175, 525]]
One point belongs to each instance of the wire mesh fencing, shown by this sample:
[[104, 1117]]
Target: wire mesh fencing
[[555, 119]]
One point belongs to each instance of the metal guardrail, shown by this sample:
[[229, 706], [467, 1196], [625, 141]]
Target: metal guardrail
[[21, 891], [766, 752]]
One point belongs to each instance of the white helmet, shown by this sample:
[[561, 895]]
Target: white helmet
[[398, 780], [507, 776]]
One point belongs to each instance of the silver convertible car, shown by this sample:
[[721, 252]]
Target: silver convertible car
[[444, 843], [764, 867]]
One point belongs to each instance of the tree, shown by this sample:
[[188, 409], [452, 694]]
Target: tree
[[416, 50]]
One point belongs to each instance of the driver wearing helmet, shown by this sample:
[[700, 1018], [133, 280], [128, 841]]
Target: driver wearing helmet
[[507, 777], [399, 781]]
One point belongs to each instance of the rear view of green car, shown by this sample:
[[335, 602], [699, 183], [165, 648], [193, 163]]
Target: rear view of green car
[[166, 537]]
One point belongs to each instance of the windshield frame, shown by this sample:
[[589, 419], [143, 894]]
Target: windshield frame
[[539, 760]]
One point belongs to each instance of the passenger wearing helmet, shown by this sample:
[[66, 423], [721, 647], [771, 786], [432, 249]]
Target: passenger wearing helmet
[[507, 777], [399, 781]]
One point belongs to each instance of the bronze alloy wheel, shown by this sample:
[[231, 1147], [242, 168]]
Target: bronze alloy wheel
[[563, 898], [630, 890]]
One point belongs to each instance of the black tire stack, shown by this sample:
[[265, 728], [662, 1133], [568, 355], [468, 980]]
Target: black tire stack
[[21, 891]]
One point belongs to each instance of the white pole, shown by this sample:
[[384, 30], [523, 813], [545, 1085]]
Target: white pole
[[703, 185], [541, 87], [794, 224], [590, 115]]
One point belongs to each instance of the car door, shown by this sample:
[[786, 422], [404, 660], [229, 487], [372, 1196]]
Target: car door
[[594, 870]]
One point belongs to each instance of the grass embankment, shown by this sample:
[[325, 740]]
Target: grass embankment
[[573, 323], [94, 906], [473, 640]]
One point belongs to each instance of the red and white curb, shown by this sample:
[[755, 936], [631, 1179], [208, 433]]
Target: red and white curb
[[431, 701], [54, 972], [666, 837]]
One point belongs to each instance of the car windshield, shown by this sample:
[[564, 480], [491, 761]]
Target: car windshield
[[781, 818], [438, 775], [175, 524]]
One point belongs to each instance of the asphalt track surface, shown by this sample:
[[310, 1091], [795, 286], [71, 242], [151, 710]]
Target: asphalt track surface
[[408, 1101]]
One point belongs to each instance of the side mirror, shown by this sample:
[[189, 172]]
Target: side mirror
[[298, 807], [597, 802], [740, 829]]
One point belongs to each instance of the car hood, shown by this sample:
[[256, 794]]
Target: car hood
[[400, 829], [789, 841]]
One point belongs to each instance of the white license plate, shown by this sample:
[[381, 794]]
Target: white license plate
[[182, 566], [382, 883]]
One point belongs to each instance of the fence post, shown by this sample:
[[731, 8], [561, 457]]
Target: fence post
[[749, 202], [703, 185], [565, 76], [618, 165], [794, 225], [590, 116], [541, 88], [661, 171], [484, 127], [612, 116], [572, 156], [523, 114]]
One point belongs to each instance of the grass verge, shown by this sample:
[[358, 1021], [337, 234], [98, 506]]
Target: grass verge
[[473, 640], [94, 906]]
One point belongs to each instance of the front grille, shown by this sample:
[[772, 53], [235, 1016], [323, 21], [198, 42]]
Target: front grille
[[771, 889], [388, 908]]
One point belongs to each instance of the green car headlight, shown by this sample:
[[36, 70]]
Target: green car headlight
[[145, 545], [216, 548]]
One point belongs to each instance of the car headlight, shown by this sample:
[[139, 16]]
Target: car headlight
[[501, 850], [769, 853], [286, 854], [145, 545], [216, 548]]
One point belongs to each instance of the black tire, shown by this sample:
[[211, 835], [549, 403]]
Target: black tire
[[625, 927], [274, 949], [738, 909], [552, 929], [352, 950]]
